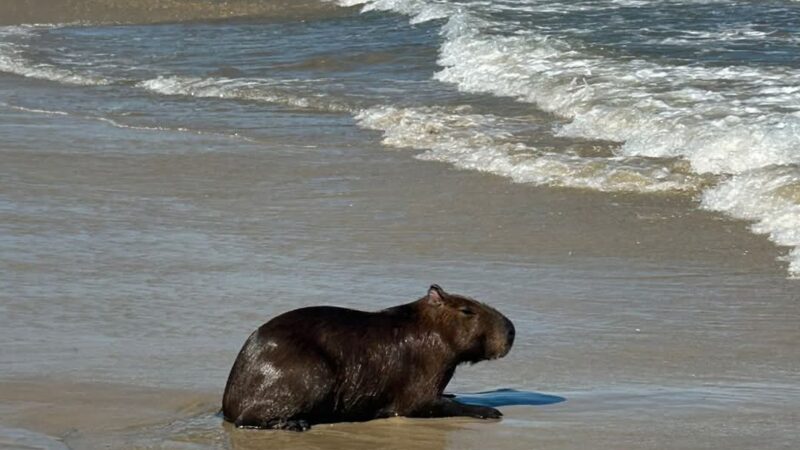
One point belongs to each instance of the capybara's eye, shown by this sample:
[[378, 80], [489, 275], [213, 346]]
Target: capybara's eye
[[467, 312]]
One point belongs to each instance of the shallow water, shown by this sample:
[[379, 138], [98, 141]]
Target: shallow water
[[165, 189]]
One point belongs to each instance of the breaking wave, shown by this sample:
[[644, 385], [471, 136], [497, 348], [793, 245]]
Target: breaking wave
[[13, 60], [737, 124], [482, 143]]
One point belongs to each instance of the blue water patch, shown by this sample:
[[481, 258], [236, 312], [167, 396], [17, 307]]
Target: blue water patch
[[509, 397]]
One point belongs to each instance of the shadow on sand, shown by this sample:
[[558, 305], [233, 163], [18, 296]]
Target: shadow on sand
[[508, 397]]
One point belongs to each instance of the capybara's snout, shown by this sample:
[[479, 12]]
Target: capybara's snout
[[510, 333], [502, 337]]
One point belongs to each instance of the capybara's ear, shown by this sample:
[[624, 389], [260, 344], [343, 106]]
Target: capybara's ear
[[435, 294]]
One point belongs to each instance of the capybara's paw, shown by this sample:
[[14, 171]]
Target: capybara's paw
[[485, 412], [276, 424], [296, 425], [287, 424]]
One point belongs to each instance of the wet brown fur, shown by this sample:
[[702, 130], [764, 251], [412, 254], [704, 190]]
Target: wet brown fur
[[327, 364]]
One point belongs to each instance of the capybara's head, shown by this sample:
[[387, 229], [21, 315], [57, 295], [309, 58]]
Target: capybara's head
[[473, 330]]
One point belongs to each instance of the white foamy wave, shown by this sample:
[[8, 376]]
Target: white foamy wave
[[721, 120], [419, 10], [270, 91], [737, 120], [654, 110], [35, 110], [481, 142], [349, 3], [13, 60], [739, 123], [771, 198], [118, 124]]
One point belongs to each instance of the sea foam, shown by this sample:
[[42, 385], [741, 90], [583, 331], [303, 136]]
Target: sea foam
[[768, 197], [481, 142], [13, 60], [260, 89], [737, 126]]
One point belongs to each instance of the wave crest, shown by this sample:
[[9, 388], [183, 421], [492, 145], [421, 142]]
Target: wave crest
[[270, 91], [483, 143], [13, 60], [737, 126]]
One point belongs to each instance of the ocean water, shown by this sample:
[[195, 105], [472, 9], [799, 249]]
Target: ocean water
[[620, 177], [700, 98]]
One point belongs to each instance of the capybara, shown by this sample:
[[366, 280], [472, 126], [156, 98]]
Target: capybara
[[327, 364]]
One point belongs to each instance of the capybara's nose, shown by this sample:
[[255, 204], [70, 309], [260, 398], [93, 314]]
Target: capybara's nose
[[510, 332]]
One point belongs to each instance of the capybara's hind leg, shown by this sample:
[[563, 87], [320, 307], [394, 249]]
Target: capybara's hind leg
[[292, 398]]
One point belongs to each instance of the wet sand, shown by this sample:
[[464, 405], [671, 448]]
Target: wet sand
[[51, 414], [14, 12], [131, 279]]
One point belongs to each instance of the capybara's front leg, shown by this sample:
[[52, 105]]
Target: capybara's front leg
[[247, 421], [447, 407]]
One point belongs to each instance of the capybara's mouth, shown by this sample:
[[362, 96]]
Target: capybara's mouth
[[500, 354], [504, 352], [506, 346]]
